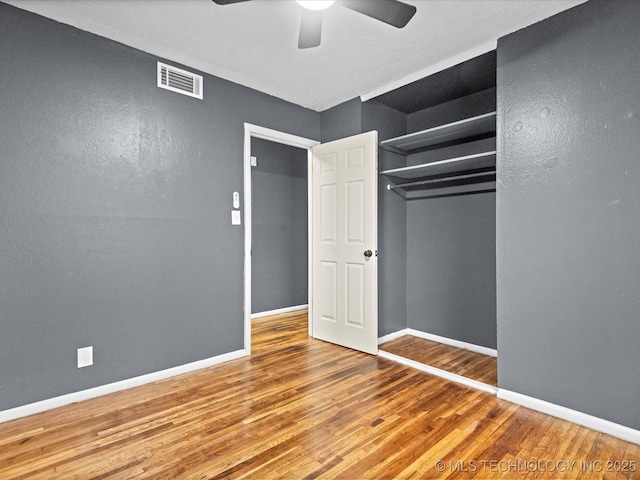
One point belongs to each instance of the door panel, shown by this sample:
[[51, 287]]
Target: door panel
[[355, 295], [329, 290], [344, 209], [355, 213], [328, 205]]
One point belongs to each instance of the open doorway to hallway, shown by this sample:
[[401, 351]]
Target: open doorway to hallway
[[279, 253], [274, 139]]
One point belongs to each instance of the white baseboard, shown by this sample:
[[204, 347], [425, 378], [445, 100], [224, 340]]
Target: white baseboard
[[564, 413], [279, 311], [439, 373], [75, 397], [392, 336], [454, 343]]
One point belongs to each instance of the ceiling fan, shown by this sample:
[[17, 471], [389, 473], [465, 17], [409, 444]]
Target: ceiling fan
[[392, 12]]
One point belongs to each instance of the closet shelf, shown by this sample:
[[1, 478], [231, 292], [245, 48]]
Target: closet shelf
[[453, 166], [466, 128]]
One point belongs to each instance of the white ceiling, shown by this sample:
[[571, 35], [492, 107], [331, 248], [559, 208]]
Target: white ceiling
[[255, 43]]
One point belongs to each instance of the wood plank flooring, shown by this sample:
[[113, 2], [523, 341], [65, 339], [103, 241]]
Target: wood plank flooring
[[466, 363], [299, 408]]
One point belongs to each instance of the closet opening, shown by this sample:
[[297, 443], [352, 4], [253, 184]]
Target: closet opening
[[441, 175]]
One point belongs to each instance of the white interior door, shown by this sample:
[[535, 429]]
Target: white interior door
[[344, 287]]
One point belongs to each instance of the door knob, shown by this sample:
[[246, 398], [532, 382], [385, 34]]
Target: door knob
[[368, 253]]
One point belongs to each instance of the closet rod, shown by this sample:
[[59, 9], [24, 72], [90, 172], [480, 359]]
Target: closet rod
[[444, 179]]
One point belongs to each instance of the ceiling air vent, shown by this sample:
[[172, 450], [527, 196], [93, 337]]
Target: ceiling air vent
[[179, 81]]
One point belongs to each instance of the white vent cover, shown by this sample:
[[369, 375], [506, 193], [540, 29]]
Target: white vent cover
[[179, 81]]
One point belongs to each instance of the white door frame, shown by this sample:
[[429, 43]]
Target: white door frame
[[255, 131]]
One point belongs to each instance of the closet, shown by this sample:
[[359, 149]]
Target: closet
[[443, 169]]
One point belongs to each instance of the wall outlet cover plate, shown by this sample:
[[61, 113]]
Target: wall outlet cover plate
[[85, 357]]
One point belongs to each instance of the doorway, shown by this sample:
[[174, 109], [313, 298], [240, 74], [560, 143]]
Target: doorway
[[279, 252], [342, 228], [260, 134]]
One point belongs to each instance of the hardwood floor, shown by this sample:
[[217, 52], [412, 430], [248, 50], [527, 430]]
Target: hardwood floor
[[466, 363], [303, 409]]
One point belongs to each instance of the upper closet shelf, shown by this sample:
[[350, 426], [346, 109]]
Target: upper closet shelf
[[469, 127]]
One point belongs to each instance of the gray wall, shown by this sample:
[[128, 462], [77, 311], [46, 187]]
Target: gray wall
[[568, 206], [279, 250], [342, 120], [451, 241], [114, 210]]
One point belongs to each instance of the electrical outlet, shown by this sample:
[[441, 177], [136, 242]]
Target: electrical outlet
[[85, 357]]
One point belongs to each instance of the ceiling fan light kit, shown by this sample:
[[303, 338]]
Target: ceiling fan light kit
[[391, 12], [316, 4]]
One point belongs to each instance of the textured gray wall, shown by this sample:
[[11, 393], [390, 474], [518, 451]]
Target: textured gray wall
[[568, 205], [114, 210], [342, 121], [451, 242], [279, 251]]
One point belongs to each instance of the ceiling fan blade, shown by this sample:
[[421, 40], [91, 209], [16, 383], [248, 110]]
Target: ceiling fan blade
[[391, 12], [310, 28], [228, 2]]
